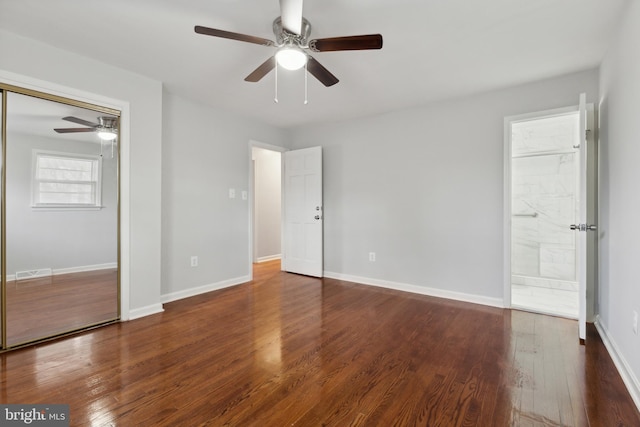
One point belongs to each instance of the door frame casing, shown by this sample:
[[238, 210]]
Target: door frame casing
[[592, 191]]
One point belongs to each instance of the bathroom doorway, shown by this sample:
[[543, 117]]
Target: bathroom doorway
[[545, 162]]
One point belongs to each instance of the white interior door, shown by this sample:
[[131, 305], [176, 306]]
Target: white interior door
[[582, 227], [302, 215]]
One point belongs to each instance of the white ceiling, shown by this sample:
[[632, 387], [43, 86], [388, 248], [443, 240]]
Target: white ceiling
[[433, 49]]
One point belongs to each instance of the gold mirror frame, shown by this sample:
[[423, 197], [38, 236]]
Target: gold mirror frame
[[4, 90]]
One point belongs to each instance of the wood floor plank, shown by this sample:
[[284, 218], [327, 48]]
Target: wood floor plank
[[288, 350]]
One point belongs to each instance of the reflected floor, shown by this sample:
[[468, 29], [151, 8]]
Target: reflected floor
[[557, 302], [48, 306]]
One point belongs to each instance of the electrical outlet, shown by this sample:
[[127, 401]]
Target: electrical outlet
[[635, 322], [194, 261], [372, 256], [232, 193], [244, 195]]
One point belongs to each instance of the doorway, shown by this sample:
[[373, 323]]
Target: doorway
[[544, 201], [297, 189], [266, 215]]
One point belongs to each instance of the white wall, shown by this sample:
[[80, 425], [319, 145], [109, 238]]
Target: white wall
[[205, 153], [35, 60], [267, 203], [56, 239], [619, 293], [423, 188]]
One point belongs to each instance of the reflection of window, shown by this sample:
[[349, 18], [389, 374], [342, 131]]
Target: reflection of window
[[63, 180]]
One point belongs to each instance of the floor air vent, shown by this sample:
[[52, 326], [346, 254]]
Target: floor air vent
[[33, 274]]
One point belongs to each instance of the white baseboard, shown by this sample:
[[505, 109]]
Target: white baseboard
[[84, 268], [174, 296], [629, 379], [137, 313], [422, 290], [269, 258], [68, 270]]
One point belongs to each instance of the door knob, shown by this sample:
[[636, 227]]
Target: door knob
[[317, 217], [583, 227]]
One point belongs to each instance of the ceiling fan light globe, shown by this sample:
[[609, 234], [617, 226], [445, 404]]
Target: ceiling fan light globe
[[107, 135], [291, 58]]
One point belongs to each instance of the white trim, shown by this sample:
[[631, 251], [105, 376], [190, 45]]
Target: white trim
[[14, 79], [68, 270], [60, 90], [271, 147], [543, 311], [415, 289], [65, 208], [81, 269], [174, 296], [630, 380], [542, 114], [269, 258], [506, 218], [137, 313]]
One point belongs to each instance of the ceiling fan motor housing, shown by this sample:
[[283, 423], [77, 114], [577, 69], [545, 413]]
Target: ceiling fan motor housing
[[285, 37], [107, 122]]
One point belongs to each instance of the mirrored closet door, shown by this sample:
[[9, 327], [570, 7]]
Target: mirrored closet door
[[60, 217]]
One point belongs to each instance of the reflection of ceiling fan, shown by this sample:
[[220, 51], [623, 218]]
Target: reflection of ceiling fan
[[107, 127], [292, 40]]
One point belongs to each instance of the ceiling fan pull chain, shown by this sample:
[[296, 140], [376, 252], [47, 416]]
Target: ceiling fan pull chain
[[275, 98], [306, 99]]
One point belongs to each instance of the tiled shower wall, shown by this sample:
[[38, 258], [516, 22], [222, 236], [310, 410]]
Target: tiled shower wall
[[544, 192]]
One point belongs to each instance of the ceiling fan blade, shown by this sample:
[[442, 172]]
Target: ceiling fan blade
[[291, 15], [74, 130], [80, 121], [319, 72], [233, 36], [262, 70], [369, 41]]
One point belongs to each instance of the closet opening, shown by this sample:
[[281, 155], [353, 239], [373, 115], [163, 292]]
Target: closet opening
[[60, 216]]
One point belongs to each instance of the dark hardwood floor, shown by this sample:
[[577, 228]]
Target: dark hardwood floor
[[43, 307], [293, 350]]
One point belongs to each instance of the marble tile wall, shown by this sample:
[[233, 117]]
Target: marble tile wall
[[544, 192], [557, 133]]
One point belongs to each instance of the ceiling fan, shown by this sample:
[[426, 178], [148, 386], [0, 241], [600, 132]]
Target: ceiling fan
[[292, 41], [107, 127]]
